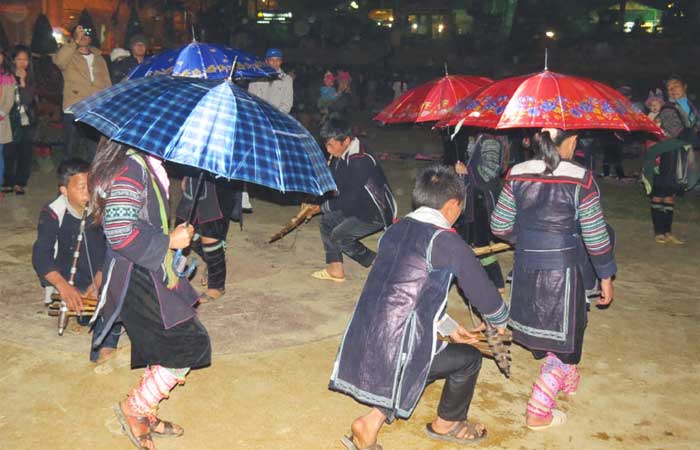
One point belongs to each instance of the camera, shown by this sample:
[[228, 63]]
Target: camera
[[88, 31]]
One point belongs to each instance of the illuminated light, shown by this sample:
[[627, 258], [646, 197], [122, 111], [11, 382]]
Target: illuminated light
[[260, 14], [441, 27], [354, 5], [389, 25], [391, 18], [550, 34], [414, 26]]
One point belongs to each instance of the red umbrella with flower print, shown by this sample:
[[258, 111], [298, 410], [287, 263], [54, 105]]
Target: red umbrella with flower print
[[431, 101], [552, 100]]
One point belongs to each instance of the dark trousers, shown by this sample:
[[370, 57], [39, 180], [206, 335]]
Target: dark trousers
[[111, 339], [18, 159], [74, 138], [459, 366], [612, 158], [342, 234]]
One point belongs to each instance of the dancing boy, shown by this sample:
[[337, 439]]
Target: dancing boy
[[390, 350]]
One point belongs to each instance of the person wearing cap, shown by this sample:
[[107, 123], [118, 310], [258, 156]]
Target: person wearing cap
[[123, 61], [85, 73], [280, 92]]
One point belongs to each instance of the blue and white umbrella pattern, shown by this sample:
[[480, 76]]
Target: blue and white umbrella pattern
[[207, 61], [212, 125]]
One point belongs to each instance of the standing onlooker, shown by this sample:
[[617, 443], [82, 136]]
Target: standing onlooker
[[279, 93], [7, 99], [18, 154], [679, 120], [123, 65], [84, 73]]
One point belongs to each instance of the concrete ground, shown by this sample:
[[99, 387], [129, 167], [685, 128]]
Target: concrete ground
[[276, 332]]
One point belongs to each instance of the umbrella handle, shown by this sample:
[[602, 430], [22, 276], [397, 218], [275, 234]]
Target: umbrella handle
[[183, 266]]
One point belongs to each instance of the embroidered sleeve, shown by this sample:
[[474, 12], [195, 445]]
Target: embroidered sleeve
[[503, 216], [122, 212], [595, 233], [136, 239]]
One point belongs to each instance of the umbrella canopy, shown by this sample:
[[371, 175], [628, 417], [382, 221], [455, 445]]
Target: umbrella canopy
[[549, 99], [212, 125], [207, 61], [431, 101]]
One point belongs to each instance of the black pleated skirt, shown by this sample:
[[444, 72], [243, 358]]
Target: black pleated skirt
[[184, 345]]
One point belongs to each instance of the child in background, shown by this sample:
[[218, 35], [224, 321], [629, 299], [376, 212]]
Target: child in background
[[328, 93], [654, 102]]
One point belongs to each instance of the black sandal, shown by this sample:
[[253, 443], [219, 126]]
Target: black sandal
[[451, 436], [169, 429]]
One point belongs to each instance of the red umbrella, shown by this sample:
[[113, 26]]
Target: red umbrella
[[431, 101], [551, 100]]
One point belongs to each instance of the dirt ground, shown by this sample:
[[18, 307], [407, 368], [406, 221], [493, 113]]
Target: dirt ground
[[276, 332]]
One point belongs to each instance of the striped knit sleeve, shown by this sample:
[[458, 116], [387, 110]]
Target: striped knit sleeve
[[134, 238], [595, 233], [503, 216]]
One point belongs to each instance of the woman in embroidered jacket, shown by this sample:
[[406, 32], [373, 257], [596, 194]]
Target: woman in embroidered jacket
[[129, 191], [550, 207]]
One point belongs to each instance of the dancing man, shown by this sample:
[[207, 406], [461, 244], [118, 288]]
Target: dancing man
[[363, 203], [390, 350], [129, 191], [551, 207]]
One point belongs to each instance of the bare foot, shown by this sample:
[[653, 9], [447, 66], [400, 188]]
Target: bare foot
[[210, 295], [336, 270], [105, 354], [365, 429], [362, 435], [537, 421]]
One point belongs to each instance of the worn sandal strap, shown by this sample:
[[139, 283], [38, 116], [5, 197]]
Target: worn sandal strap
[[471, 430], [168, 427]]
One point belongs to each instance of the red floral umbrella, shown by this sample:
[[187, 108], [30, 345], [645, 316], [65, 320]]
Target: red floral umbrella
[[549, 99], [431, 101]]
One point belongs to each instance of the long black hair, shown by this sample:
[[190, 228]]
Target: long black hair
[[547, 148], [109, 160], [6, 66]]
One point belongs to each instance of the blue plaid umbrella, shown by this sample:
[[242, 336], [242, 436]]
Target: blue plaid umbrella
[[212, 125], [208, 61]]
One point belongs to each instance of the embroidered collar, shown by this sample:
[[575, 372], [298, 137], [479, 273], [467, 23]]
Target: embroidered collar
[[429, 215]]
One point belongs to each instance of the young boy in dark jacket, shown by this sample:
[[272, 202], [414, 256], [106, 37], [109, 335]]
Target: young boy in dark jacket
[[57, 236]]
